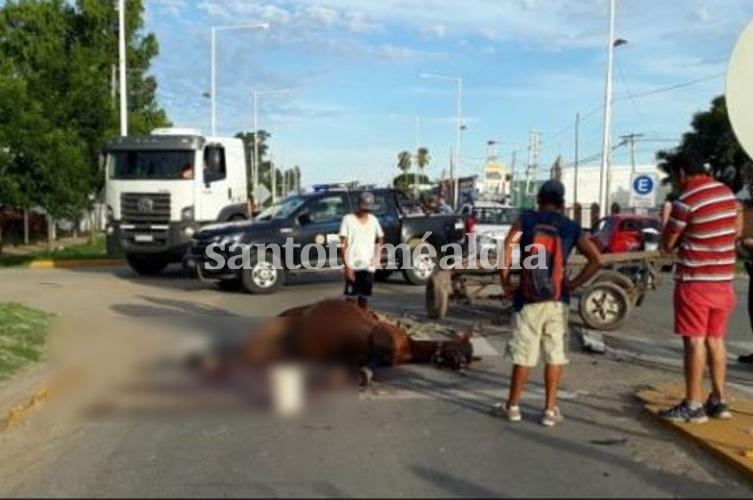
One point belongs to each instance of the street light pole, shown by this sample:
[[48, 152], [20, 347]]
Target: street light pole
[[122, 64], [606, 143], [459, 126], [213, 90], [213, 56], [255, 168], [458, 132], [577, 147]]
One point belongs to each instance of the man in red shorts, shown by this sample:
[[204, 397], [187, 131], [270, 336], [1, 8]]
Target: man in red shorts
[[703, 227]]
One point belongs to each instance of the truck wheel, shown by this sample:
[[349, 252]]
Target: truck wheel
[[382, 275], [264, 276], [604, 306], [146, 266], [421, 269], [438, 295]]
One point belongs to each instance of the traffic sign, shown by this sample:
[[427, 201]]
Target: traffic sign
[[643, 191], [739, 84]]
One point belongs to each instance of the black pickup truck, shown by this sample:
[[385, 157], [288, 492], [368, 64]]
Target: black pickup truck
[[315, 218]]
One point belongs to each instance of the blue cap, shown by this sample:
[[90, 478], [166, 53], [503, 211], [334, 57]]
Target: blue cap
[[553, 191]]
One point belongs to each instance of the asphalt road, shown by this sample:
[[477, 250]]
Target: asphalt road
[[420, 432]]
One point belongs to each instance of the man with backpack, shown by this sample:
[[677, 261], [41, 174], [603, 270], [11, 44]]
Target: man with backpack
[[546, 238]]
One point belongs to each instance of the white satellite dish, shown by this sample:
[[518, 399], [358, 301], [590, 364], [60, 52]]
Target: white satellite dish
[[740, 90]]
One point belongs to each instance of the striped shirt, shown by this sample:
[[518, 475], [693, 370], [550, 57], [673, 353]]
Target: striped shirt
[[705, 215]]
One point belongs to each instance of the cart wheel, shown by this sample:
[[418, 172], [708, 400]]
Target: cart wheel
[[615, 277], [622, 281], [604, 306], [438, 294]]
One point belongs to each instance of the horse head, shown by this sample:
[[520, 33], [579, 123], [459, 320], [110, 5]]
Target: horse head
[[455, 354]]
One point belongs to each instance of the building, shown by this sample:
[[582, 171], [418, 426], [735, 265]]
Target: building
[[496, 182], [619, 184]]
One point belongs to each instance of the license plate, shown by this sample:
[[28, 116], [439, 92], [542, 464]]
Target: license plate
[[143, 238]]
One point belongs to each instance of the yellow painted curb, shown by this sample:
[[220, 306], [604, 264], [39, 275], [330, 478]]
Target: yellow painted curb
[[55, 386], [62, 264], [729, 440], [19, 413]]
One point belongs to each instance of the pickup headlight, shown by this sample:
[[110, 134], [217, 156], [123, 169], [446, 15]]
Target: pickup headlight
[[187, 214]]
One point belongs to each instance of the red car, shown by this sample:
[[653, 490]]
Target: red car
[[626, 233]]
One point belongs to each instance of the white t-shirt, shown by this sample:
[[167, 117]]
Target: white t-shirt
[[361, 238]]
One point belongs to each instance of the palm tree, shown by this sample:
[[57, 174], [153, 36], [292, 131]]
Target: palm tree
[[404, 161], [423, 158]]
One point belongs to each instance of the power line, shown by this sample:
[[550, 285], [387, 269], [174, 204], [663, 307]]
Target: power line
[[678, 86], [632, 101], [585, 116]]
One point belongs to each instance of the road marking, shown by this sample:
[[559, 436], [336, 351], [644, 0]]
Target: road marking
[[483, 347]]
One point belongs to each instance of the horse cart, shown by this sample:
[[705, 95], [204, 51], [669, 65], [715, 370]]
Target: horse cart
[[604, 303]]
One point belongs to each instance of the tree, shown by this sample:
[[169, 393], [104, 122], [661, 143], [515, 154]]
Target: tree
[[404, 161], [56, 97], [423, 158], [712, 137], [265, 165], [405, 181]]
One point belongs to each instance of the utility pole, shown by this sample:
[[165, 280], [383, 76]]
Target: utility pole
[[513, 176], [415, 167], [606, 143], [255, 169], [122, 64], [534, 149], [577, 146], [630, 140]]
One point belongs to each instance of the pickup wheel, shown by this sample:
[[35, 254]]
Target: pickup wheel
[[264, 275], [146, 266], [422, 267]]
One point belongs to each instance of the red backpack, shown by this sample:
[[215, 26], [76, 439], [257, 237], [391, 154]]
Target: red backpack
[[542, 285]]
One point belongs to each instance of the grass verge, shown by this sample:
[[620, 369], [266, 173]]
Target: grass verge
[[23, 337], [83, 251]]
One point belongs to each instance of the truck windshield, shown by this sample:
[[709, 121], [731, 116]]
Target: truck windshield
[[282, 210], [151, 165]]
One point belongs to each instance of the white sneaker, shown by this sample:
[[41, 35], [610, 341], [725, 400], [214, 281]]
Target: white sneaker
[[512, 414], [552, 418]]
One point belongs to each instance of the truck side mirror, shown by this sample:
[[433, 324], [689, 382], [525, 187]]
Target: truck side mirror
[[214, 164]]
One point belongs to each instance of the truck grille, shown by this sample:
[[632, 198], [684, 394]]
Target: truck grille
[[145, 208]]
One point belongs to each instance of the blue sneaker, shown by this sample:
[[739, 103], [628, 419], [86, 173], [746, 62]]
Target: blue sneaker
[[718, 409], [684, 413]]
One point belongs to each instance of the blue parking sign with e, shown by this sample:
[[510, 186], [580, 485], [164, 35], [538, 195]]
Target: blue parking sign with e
[[643, 185]]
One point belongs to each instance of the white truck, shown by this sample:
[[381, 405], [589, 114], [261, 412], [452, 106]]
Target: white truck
[[161, 188]]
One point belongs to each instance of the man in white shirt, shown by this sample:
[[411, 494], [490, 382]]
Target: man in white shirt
[[361, 236]]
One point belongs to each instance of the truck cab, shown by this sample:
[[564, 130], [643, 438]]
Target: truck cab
[[161, 188]]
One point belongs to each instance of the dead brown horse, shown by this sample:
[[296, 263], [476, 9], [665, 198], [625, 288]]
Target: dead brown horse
[[339, 332]]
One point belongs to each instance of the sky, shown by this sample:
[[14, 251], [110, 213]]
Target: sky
[[351, 70]]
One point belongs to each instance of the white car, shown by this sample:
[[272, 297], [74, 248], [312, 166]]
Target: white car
[[491, 222]]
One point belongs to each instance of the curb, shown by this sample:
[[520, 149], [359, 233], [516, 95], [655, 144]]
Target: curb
[[68, 264], [20, 412], [51, 387], [731, 441]]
